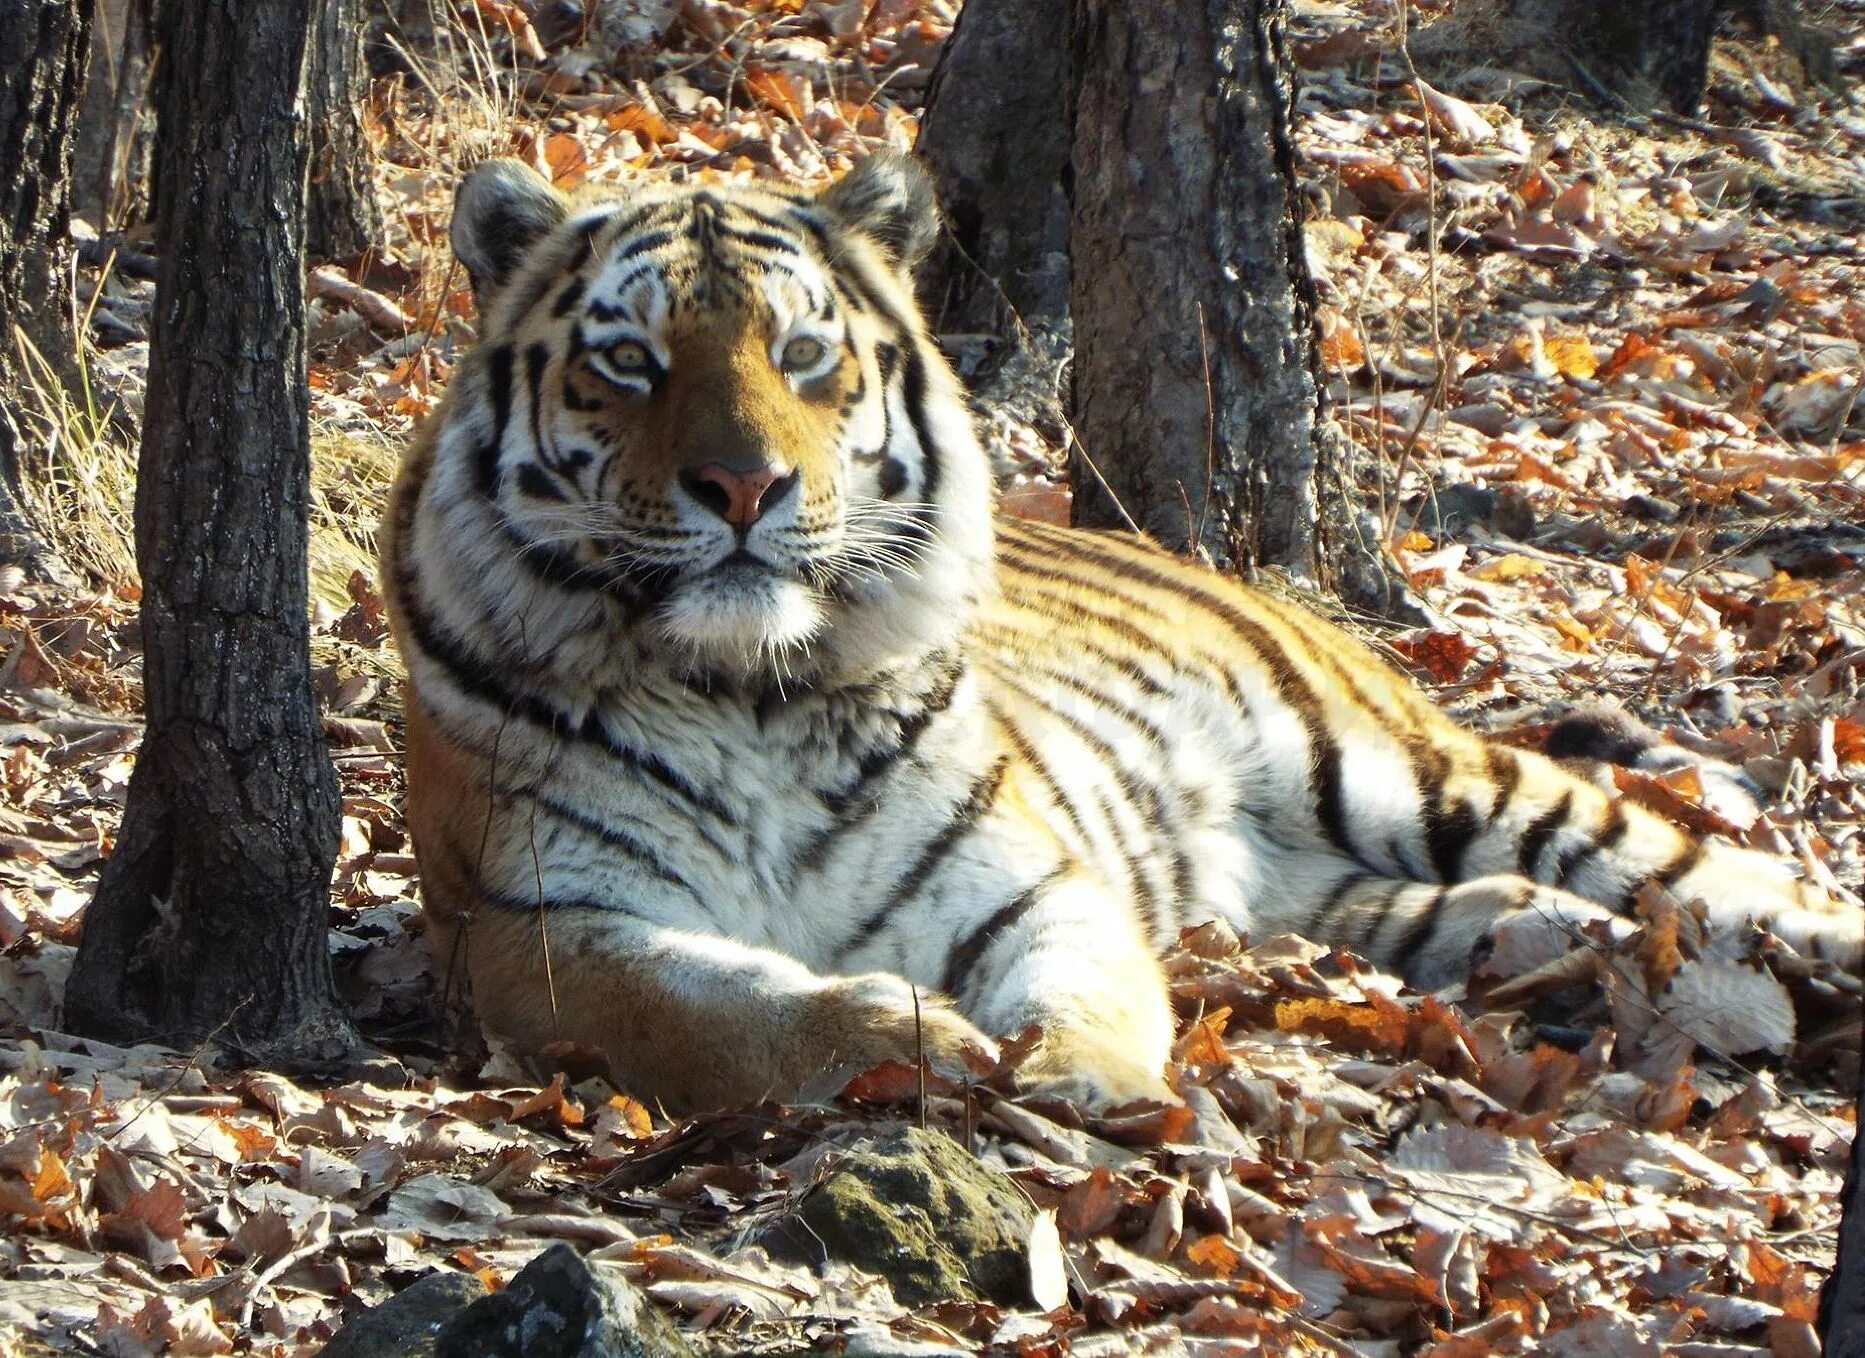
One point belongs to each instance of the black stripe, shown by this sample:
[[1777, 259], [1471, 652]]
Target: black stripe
[[478, 679], [568, 298], [1678, 866], [914, 390], [531, 905], [499, 392], [638, 851], [534, 481], [885, 754], [1026, 749], [978, 800], [548, 560], [640, 245], [1540, 830], [1294, 690], [964, 958], [1448, 832], [1505, 768], [762, 240], [569, 253], [1610, 832], [1420, 932], [1320, 926], [1143, 799]]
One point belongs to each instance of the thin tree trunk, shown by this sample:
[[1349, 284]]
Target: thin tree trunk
[[342, 218], [110, 168], [1656, 50], [1197, 396], [210, 918], [1842, 1300], [999, 152], [43, 45]]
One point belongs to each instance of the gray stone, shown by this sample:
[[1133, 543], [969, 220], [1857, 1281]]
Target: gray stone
[[558, 1307], [408, 1323], [919, 1210]]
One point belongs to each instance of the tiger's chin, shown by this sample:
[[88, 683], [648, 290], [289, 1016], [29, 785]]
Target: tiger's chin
[[741, 616]]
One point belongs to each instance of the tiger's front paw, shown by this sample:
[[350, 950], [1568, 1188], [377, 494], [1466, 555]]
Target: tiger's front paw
[[1097, 1068], [857, 1022]]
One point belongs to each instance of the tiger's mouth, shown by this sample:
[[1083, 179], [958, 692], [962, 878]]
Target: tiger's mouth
[[742, 609]]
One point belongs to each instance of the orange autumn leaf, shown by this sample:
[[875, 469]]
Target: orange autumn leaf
[[778, 91], [1572, 355], [635, 1116], [1352, 1024], [1340, 343], [1849, 741], [1444, 655], [1214, 1254], [50, 1179], [1203, 1042], [1528, 467], [567, 158], [1040, 501], [1091, 1206], [644, 122], [1510, 566]]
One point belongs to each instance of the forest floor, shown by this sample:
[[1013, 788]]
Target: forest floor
[[1607, 371]]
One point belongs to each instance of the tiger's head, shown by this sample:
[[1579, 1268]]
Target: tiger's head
[[720, 407]]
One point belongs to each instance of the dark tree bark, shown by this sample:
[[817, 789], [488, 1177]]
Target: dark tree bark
[[210, 919], [110, 171], [43, 45], [1654, 51], [1842, 1300], [342, 218], [1197, 393], [999, 152]]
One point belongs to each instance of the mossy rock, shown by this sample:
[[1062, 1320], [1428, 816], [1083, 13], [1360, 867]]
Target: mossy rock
[[919, 1210]]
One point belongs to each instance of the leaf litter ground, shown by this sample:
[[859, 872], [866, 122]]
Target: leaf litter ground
[[1607, 373]]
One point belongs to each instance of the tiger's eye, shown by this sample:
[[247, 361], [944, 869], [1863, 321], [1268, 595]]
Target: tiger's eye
[[802, 354], [629, 357]]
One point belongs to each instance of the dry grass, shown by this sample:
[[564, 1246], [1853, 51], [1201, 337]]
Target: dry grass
[[84, 492]]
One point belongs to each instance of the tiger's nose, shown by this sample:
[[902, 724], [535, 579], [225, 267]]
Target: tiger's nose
[[738, 497]]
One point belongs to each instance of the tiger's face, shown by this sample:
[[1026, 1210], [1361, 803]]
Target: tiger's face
[[719, 404]]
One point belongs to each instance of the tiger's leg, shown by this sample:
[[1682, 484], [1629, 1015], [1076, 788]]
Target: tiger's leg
[[1541, 823], [1373, 915], [687, 1019], [1069, 956]]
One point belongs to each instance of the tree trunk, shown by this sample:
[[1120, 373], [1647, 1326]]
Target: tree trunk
[[1197, 395], [110, 170], [1842, 1300], [342, 218], [1654, 50], [43, 44], [210, 919], [999, 152]]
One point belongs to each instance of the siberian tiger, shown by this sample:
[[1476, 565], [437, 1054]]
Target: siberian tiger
[[747, 746]]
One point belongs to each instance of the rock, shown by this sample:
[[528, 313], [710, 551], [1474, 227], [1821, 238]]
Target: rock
[[1454, 508], [919, 1210], [558, 1307], [408, 1323]]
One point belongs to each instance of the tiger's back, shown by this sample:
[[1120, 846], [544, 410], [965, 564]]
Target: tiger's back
[[746, 746]]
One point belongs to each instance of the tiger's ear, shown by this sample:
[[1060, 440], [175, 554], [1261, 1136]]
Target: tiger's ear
[[501, 209], [890, 197]]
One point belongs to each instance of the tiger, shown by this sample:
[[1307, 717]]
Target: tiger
[[747, 746]]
